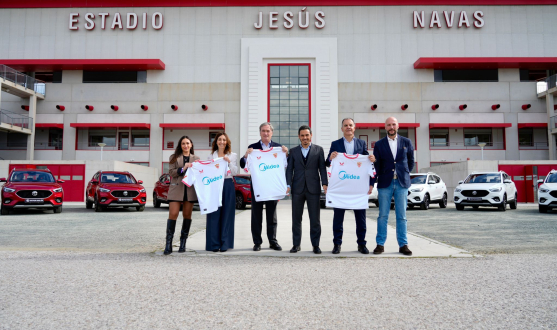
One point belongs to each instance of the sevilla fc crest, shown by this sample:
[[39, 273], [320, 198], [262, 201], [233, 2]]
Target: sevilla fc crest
[[275, 155], [359, 164], [217, 165]]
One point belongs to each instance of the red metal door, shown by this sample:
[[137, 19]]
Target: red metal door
[[529, 182]]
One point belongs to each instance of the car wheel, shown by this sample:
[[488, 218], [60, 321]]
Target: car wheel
[[156, 202], [140, 208], [542, 208], [240, 203], [514, 203], [443, 202], [425, 203], [58, 209], [98, 207], [503, 205], [4, 211], [88, 205], [410, 206], [459, 207]]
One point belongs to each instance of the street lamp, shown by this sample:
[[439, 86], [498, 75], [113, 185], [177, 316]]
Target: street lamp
[[482, 145], [102, 145]]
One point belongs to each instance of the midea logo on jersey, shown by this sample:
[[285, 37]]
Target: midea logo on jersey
[[343, 175], [263, 167], [207, 180]]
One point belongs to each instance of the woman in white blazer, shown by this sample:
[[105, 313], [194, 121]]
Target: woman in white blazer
[[220, 224]]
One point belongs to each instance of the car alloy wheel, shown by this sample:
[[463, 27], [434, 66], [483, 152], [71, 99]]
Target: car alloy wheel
[[425, 203], [240, 204], [156, 202], [503, 206], [443, 203]]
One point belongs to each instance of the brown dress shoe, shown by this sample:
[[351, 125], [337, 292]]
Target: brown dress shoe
[[405, 250], [379, 249]]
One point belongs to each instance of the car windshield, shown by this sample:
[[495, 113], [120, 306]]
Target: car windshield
[[552, 178], [418, 179], [32, 176], [484, 178], [116, 178], [240, 180]]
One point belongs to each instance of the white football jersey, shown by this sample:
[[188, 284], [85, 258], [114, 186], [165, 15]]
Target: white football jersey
[[349, 182], [268, 173], [207, 177]]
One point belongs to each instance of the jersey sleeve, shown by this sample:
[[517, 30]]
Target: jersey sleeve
[[371, 171], [189, 178], [248, 163]]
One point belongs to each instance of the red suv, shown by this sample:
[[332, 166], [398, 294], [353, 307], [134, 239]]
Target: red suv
[[30, 189], [115, 189], [160, 192], [242, 184]]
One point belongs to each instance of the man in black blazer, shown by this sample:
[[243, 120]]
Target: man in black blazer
[[306, 164], [351, 145], [266, 132]]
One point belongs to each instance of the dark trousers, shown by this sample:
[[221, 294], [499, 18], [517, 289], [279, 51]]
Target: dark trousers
[[257, 220], [361, 228], [220, 224], [314, 211]]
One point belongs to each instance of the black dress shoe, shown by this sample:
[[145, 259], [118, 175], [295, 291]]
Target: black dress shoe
[[216, 250], [276, 247], [295, 249], [336, 249], [257, 247], [221, 250], [363, 249], [405, 250], [379, 249], [316, 250]]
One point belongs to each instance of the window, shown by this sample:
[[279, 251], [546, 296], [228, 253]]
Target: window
[[114, 76], [16, 141], [465, 75], [242, 180], [212, 136], [116, 178], [438, 137], [49, 77], [484, 178], [401, 131], [32, 176], [289, 101], [55, 138], [140, 138], [532, 75], [526, 137], [477, 135], [418, 179], [97, 136]]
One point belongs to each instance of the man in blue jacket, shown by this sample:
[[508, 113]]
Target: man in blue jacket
[[350, 145], [395, 161]]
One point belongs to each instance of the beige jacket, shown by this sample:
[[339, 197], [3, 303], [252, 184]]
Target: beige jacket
[[176, 189]]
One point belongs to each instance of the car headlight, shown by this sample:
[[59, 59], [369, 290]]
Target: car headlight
[[543, 190], [417, 189], [142, 191], [498, 189], [245, 188], [457, 190], [104, 190], [58, 190], [9, 190]]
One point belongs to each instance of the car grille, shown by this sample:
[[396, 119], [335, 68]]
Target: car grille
[[553, 193], [29, 193], [479, 193], [120, 193]]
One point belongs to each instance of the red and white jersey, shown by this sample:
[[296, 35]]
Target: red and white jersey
[[207, 177], [349, 182], [268, 173]]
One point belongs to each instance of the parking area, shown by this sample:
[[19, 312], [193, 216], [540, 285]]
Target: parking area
[[482, 231]]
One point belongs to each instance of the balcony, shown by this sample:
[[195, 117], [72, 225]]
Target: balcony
[[465, 146], [119, 147], [545, 85], [533, 146], [23, 80], [15, 122]]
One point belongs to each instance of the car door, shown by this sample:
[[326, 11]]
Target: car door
[[90, 186], [442, 187], [432, 188]]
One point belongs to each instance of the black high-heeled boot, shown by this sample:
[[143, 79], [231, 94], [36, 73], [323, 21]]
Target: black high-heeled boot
[[186, 225], [170, 228]]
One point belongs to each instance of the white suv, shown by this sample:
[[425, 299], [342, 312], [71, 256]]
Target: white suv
[[426, 188], [547, 192], [486, 189]]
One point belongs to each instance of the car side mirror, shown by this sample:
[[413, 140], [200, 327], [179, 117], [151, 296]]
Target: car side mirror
[[60, 181], [94, 181], [460, 182], [431, 182], [539, 181], [507, 181], [3, 180], [140, 182]]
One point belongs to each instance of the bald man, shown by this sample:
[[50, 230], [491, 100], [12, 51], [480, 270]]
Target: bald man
[[394, 156]]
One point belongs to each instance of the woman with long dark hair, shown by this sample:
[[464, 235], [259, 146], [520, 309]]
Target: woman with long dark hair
[[220, 224], [178, 193]]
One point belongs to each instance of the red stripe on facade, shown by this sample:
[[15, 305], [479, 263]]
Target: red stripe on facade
[[532, 125], [110, 125], [49, 125], [195, 126], [382, 125], [470, 125], [541, 63], [46, 65]]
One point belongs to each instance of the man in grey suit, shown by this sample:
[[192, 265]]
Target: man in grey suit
[[306, 163]]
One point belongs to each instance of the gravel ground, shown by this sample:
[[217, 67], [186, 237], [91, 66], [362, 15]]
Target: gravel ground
[[61, 290]]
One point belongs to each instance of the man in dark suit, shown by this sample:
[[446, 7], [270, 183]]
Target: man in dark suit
[[395, 161], [306, 164], [350, 145], [266, 132]]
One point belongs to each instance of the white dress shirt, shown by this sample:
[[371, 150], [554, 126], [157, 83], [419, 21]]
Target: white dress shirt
[[232, 166], [393, 143]]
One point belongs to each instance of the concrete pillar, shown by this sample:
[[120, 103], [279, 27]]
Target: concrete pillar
[[31, 138], [550, 113]]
